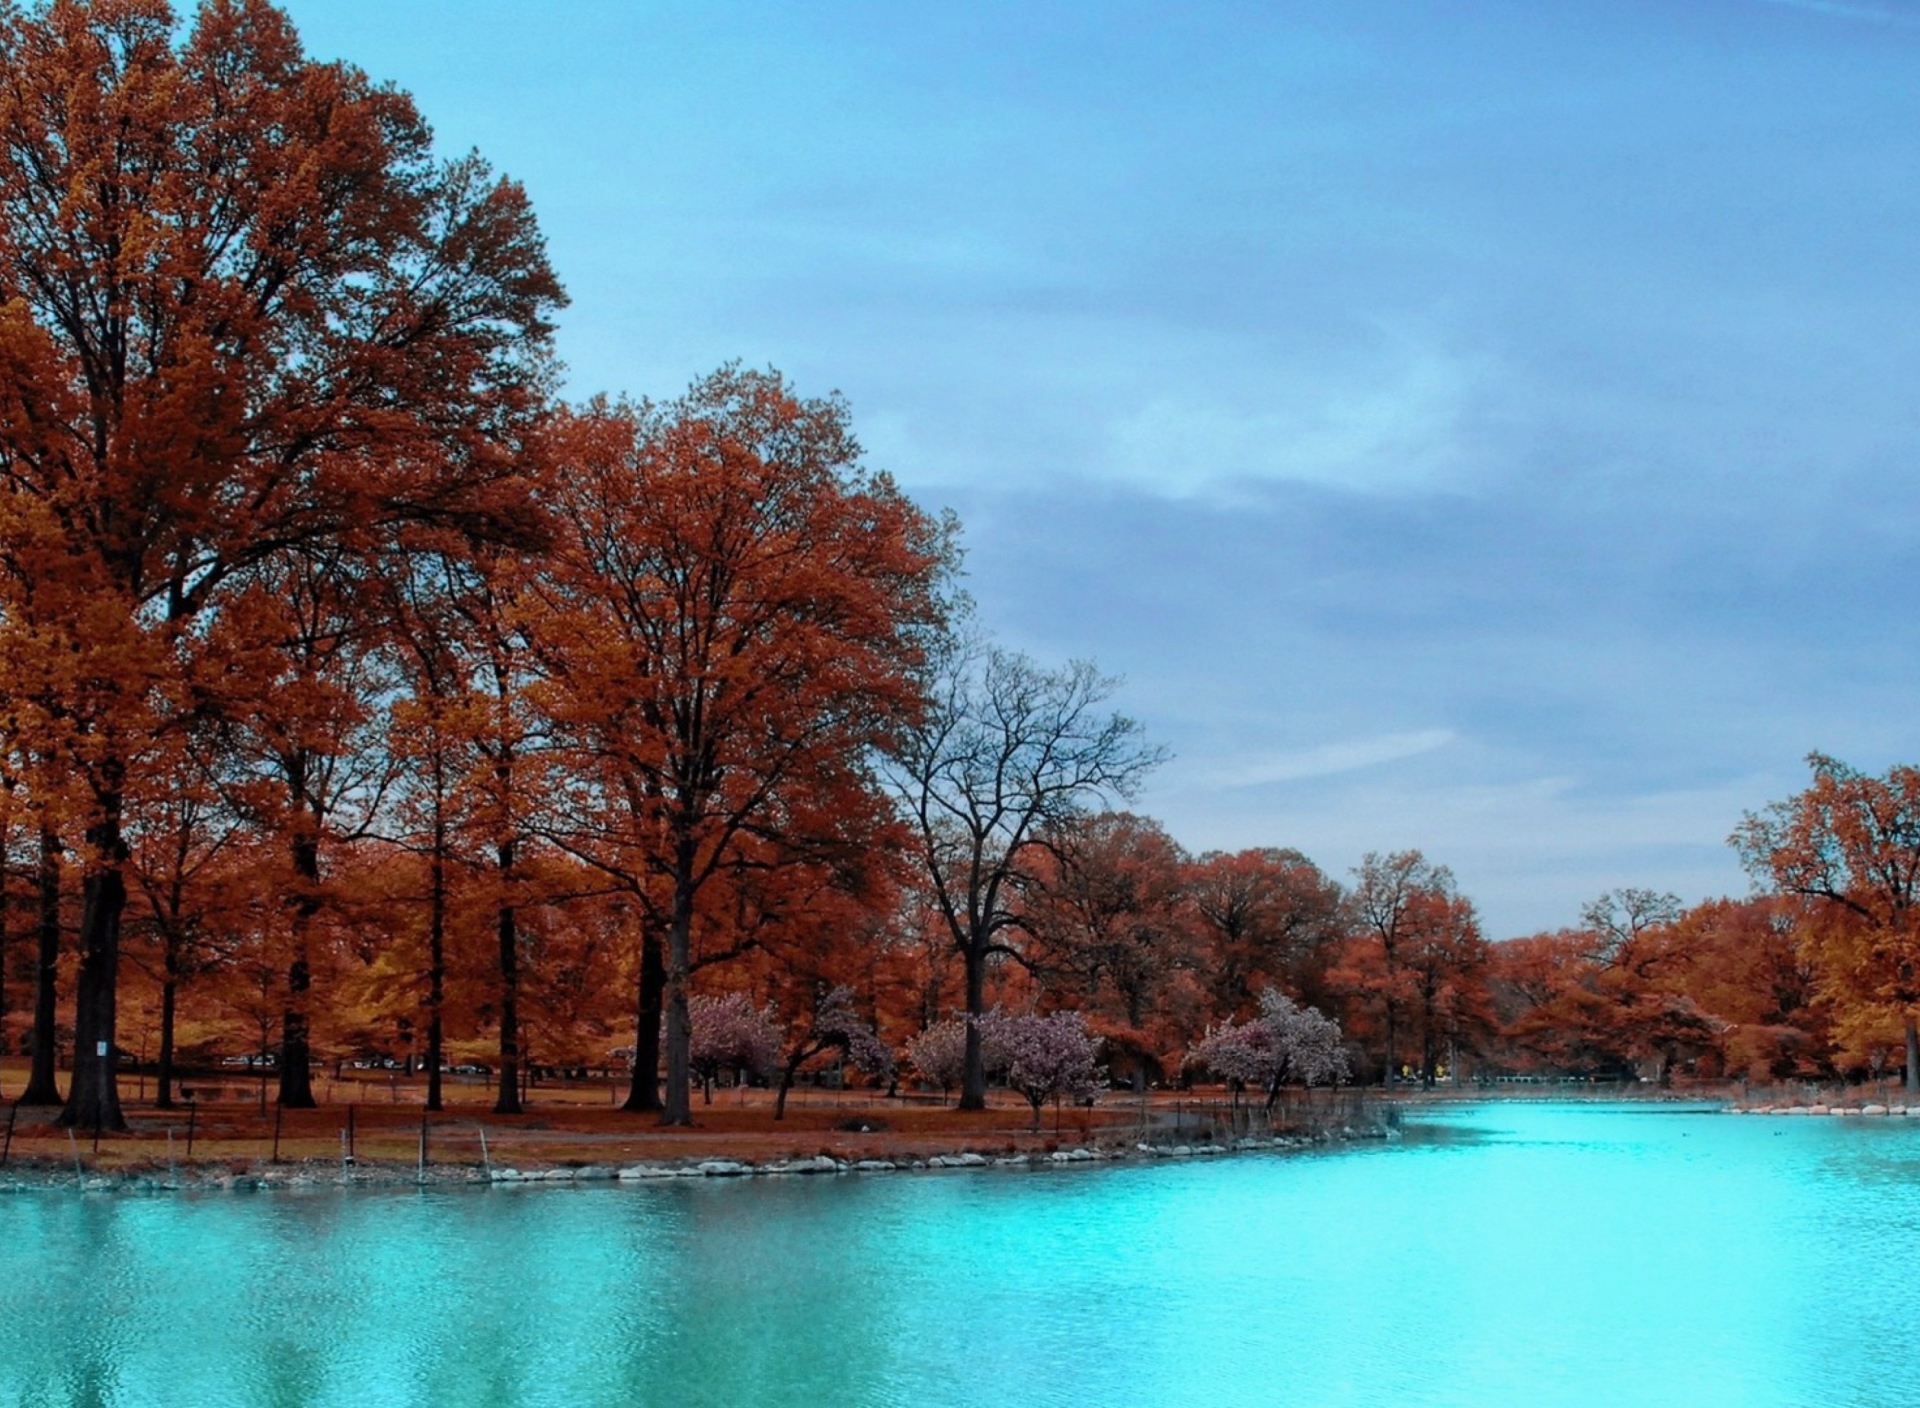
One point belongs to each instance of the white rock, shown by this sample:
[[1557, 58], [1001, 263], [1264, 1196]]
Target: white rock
[[722, 1168]]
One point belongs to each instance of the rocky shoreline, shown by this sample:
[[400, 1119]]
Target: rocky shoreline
[[42, 1176], [1888, 1111]]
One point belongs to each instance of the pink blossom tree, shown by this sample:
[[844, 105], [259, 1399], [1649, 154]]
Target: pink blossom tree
[[1046, 1058], [938, 1055], [730, 1033], [1284, 1044], [833, 1025]]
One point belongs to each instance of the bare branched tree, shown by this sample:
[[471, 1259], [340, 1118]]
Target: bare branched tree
[[1007, 750]]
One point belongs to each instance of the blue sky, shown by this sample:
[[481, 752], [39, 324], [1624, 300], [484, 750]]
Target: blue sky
[[1490, 428]]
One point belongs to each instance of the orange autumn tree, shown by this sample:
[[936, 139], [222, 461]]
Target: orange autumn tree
[[1850, 845], [489, 592], [430, 753], [188, 876], [1390, 895], [1112, 938], [736, 613], [1741, 964], [1270, 918], [301, 680], [242, 308], [1539, 986], [1446, 960], [470, 759]]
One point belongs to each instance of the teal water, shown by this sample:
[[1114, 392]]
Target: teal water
[[1498, 1254]]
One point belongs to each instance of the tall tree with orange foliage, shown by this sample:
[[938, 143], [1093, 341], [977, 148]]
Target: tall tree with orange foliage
[[1270, 918], [737, 622], [1740, 962], [1392, 907], [491, 597], [301, 684], [241, 308], [186, 882], [1446, 962], [426, 738], [470, 750], [1110, 932], [1850, 844], [1105, 913]]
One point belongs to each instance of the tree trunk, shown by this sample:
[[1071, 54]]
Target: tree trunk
[[644, 1097], [436, 963], [507, 1102], [163, 1096], [679, 1101], [1391, 1072], [973, 1077], [6, 908], [42, 1086], [296, 1030], [93, 1098], [1913, 1055]]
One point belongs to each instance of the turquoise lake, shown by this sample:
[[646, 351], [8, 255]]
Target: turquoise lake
[[1524, 1254]]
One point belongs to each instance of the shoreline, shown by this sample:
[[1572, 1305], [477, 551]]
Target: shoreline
[[572, 1145], [42, 1175], [1868, 1111]]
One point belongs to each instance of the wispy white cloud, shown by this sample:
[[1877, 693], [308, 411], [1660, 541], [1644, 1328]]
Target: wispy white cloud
[[1394, 423], [1876, 14], [1349, 756]]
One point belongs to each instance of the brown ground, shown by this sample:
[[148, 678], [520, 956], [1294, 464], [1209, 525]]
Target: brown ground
[[566, 1123]]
